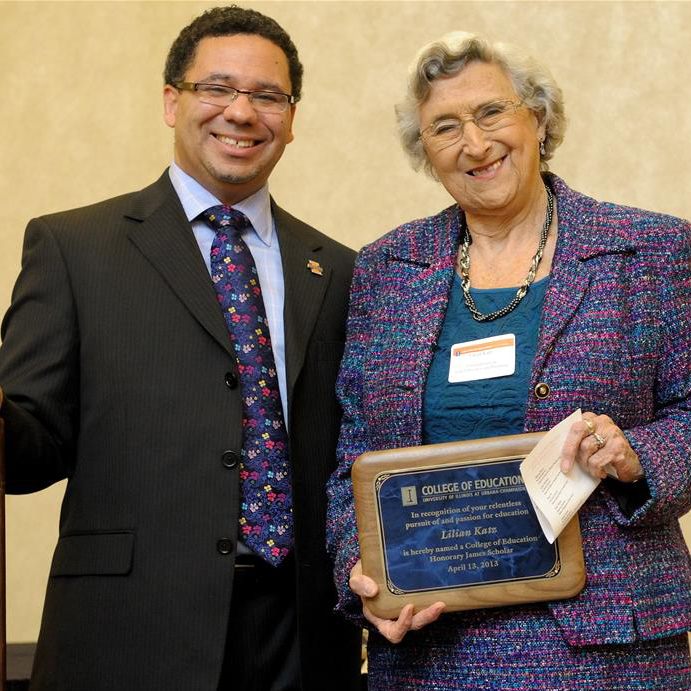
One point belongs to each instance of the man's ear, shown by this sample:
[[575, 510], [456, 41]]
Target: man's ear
[[170, 104], [291, 136]]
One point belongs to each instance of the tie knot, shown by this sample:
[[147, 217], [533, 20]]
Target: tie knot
[[226, 218]]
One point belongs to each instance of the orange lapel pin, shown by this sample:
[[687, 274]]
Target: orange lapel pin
[[315, 267]]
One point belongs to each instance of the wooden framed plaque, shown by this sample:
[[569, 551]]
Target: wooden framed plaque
[[453, 522]]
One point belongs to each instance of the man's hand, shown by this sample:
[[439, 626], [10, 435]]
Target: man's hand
[[392, 629]]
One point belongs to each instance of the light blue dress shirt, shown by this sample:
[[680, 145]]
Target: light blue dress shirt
[[262, 241]]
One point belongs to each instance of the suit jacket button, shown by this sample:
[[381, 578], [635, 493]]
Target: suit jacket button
[[224, 545], [230, 459], [231, 380], [542, 390]]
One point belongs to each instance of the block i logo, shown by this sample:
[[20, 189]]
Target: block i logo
[[408, 496]]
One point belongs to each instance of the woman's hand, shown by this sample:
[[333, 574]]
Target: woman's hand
[[596, 442], [392, 630]]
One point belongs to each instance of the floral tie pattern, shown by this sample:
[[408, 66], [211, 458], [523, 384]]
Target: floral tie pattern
[[266, 524]]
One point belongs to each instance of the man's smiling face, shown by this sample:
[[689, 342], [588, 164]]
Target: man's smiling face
[[231, 151]]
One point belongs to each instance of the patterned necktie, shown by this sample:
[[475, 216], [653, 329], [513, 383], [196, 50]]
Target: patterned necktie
[[266, 521]]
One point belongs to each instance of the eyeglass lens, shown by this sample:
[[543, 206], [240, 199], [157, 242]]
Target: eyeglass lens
[[223, 96], [489, 117]]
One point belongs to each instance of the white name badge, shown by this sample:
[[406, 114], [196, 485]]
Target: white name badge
[[483, 359]]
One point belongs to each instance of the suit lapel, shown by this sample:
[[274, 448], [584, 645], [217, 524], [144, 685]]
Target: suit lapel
[[304, 289], [163, 235]]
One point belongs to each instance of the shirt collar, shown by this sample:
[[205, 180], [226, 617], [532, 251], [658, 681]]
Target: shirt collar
[[196, 199]]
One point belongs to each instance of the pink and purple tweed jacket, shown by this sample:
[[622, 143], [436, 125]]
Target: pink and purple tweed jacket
[[615, 338]]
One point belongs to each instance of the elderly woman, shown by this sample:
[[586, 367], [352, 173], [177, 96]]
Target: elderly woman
[[598, 297]]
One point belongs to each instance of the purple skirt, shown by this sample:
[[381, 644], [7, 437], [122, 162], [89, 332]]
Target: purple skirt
[[521, 649]]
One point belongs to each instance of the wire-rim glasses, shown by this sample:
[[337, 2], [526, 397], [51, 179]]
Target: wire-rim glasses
[[448, 130], [222, 95]]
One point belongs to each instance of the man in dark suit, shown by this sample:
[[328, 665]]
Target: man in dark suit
[[122, 370]]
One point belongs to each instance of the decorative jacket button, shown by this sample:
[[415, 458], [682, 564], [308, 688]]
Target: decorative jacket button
[[230, 459], [542, 390], [231, 380], [224, 545]]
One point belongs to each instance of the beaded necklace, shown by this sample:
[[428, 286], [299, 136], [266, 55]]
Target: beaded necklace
[[464, 268]]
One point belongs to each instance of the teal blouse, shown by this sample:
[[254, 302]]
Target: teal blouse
[[485, 407]]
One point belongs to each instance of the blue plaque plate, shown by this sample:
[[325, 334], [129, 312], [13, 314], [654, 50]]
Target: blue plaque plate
[[453, 528], [454, 522]]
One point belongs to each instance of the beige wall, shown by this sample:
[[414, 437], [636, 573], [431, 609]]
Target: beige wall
[[81, 120]]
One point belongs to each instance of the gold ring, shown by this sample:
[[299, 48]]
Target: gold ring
[[598, 440], [589, 425]]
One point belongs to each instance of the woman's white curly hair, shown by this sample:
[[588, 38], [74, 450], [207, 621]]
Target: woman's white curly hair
[[448, 56]]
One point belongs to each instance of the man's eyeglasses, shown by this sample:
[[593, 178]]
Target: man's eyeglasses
[[449, 130], [222, 96]]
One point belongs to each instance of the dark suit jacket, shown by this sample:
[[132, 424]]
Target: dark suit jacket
[[114, 366]]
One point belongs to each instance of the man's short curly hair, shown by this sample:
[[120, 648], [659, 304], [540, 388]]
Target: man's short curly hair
[[228, 21]]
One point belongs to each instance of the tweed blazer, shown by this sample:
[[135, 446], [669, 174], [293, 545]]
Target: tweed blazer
[[614, 338]]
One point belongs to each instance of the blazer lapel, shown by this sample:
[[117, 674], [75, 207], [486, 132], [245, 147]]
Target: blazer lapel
[[418, 274], [568, 284], [304, 289], [427, 259], [583, 235], [163, 235]]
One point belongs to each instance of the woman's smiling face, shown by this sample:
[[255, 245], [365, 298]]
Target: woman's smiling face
[[493, 173]]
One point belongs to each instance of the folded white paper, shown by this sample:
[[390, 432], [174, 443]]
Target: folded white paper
[[556, 496]]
